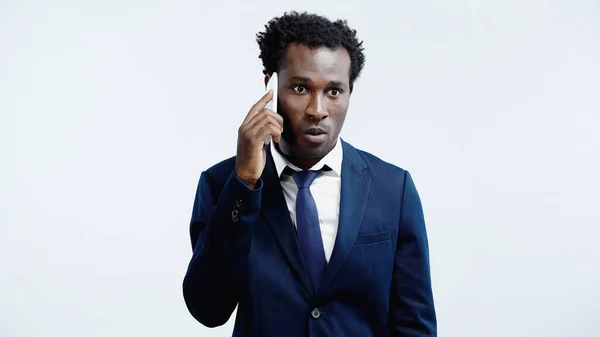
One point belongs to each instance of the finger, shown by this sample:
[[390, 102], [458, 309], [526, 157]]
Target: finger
[[278, 117], [276, 137], [259, 106], [269, 130], [266, 114], [263, 123], [255, 132], [251, 122]]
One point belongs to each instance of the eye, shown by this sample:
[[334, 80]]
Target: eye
[[335, 92], [299, 89]]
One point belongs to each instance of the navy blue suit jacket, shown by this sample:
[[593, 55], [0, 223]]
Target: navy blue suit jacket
[[246, 253]]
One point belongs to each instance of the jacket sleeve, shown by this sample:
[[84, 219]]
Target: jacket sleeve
[[413, 312], [220, 236]]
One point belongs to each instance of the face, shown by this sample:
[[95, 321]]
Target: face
[[313, 98]]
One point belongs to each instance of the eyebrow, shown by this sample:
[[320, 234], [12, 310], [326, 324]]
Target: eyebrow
[[306, 79]]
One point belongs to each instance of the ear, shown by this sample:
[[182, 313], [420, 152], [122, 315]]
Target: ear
[[267, 78]]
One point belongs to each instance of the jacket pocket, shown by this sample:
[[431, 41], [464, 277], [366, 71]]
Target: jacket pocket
[[363, 239]]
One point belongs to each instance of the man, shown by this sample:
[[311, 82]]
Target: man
[[308, 236]]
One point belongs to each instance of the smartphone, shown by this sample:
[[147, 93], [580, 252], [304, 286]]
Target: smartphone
[[272, 104]]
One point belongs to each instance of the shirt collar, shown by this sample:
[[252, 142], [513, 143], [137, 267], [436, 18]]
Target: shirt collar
[[333, 160]]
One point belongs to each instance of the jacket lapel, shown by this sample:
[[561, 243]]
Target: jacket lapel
[[275, 211], [356, 183]]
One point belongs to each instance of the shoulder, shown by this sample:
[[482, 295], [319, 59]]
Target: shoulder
[[378, 166], [388, 181], [220, 172], [224, 165]]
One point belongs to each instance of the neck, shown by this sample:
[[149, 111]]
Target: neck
[[303, 163]]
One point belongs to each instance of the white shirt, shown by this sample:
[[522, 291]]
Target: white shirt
[[325, 190]]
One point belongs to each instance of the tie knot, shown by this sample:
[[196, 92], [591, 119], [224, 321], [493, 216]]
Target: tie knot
[[305, 178]]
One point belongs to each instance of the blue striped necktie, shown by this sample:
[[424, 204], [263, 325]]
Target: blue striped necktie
[[307, 223]]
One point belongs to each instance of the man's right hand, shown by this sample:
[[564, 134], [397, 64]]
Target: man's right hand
[[260, 123]]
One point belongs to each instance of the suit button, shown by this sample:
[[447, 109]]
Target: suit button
[[234, 215], [315, 313]]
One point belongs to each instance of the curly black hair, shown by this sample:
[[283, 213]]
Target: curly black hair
[[311, 30]]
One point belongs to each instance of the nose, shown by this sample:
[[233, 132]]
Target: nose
[[317, 108]]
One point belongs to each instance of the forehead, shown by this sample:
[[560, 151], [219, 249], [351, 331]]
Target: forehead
[[316, 63]]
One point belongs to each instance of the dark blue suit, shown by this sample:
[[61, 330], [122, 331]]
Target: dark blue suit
[[246, 253]]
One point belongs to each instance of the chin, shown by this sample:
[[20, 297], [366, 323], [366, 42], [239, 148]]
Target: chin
[[315, 151], [302, 149]]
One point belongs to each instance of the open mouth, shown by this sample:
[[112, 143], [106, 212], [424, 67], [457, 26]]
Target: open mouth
[[315, 131], [315, 135]]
